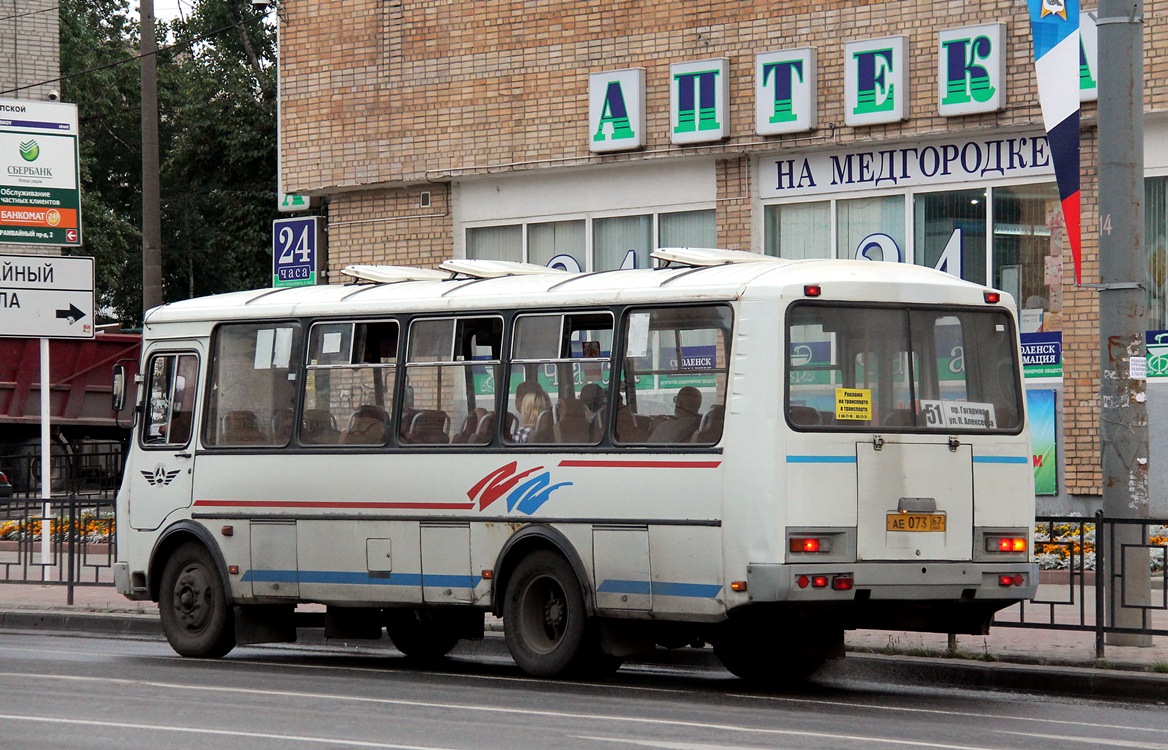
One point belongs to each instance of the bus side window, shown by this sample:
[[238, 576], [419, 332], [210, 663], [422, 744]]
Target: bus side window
[[170, 399], [674, 374], [252, 370], [452, 367], [348, 391]]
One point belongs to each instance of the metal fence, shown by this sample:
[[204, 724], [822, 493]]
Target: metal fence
[[81, 542], [1102, 575]]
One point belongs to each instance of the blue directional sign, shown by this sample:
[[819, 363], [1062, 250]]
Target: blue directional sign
[[297, 251]]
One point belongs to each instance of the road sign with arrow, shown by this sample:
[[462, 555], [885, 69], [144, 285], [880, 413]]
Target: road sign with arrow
[[46, 296]]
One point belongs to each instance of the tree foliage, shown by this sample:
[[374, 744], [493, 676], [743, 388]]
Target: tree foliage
[[217, 140]]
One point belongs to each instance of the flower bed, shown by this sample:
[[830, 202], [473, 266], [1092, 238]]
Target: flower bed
[[1059, 546]]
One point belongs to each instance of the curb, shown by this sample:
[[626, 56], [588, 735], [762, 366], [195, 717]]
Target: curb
[[925, 671]]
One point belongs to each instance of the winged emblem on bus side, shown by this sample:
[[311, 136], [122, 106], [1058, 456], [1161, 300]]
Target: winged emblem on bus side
[[160, 476], [526, 497]]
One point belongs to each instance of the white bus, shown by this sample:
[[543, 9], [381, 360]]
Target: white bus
[[729, 449]]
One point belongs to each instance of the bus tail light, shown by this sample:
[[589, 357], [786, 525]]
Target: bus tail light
[[809, 544], [1006, 544], [992, 298], [812, 290], [843, 583], [1011, 580], [819, 582], [738, 586]]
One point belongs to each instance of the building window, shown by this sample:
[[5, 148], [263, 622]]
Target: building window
[[1156, 243], [798, 230], [872, 228], [550, 239], [495, 243], [949, 232], [615, 238], [687, 229], [1029, 244]]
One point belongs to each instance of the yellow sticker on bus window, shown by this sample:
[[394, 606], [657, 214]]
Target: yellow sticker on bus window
[[853, 403]]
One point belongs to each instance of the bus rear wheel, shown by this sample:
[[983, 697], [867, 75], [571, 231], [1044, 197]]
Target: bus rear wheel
[[197, 618], [420, 635], [776, 659], [544, 619]]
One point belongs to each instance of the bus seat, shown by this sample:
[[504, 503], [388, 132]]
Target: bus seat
[[710, 430], [675, 430], [628, 430], [485, 429], [429, 426], [544, 431], [319, 426], [369, 425], [242, 428], [469, 424], [282, 422], [572, 422], [804, 416]]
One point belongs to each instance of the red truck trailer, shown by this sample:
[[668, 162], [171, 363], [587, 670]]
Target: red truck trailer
[[88, 436]]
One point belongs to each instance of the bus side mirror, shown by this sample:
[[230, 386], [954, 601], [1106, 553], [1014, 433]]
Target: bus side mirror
[[119, 390]]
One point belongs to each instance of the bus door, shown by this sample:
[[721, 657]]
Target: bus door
[[159, 478], [915, 500]]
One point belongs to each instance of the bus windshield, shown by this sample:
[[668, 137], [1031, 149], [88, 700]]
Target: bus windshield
[[869, 368]]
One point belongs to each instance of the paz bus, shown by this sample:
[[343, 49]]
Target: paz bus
[[728, 449]]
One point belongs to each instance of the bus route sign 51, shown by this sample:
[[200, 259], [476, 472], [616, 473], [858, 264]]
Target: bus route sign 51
[[297, 251]]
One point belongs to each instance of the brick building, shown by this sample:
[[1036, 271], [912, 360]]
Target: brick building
[[585, 134], [29, 55]]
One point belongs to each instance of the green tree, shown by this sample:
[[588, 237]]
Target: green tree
[[217, 137]]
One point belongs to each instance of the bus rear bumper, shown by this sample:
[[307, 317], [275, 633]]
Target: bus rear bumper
[[892, 581]]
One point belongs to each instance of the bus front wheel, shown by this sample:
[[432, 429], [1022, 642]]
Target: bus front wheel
[[196, 616], [544, 617]]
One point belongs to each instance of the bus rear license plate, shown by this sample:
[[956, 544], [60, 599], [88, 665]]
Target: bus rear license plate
[[916, 521]]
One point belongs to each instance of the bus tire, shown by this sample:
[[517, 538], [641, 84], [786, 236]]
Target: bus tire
[[419, 634], [770, 660], [544, 619], [197, 617]]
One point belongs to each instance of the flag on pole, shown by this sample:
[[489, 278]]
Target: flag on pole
[[1055, 27]]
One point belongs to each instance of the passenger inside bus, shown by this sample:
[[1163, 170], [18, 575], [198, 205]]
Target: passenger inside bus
[[687, 406], [534, 408]]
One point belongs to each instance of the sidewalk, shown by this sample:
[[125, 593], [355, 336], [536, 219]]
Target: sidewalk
[[1008, 658]]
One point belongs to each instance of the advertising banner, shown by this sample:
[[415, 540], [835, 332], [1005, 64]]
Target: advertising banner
[[40, 189], [1043, 440]]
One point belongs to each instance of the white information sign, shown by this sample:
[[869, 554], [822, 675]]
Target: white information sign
[[46, 296]]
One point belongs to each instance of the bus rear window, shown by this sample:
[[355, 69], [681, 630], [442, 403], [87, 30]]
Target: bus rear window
[[857, 368]]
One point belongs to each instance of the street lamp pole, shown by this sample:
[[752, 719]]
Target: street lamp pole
[[151, 220], [1123, 417]]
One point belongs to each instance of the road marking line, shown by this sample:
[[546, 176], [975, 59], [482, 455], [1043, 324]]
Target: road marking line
[[331, 741]]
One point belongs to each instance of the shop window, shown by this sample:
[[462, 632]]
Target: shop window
[[871, 228], [549, 239], [495, 243], [949, 232], [687, 229], [1029, 245], [1156, 243], [798, 230], [615, 238]]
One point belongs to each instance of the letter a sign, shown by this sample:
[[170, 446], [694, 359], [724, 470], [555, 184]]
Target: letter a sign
[[616, 110]]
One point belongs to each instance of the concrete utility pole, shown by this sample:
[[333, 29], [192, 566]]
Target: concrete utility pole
[[151, 220], [1123, 417]]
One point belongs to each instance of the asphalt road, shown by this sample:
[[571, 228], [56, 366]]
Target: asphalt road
[[88, 692]]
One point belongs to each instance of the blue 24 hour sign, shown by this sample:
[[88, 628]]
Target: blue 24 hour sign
[[297, 250]]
